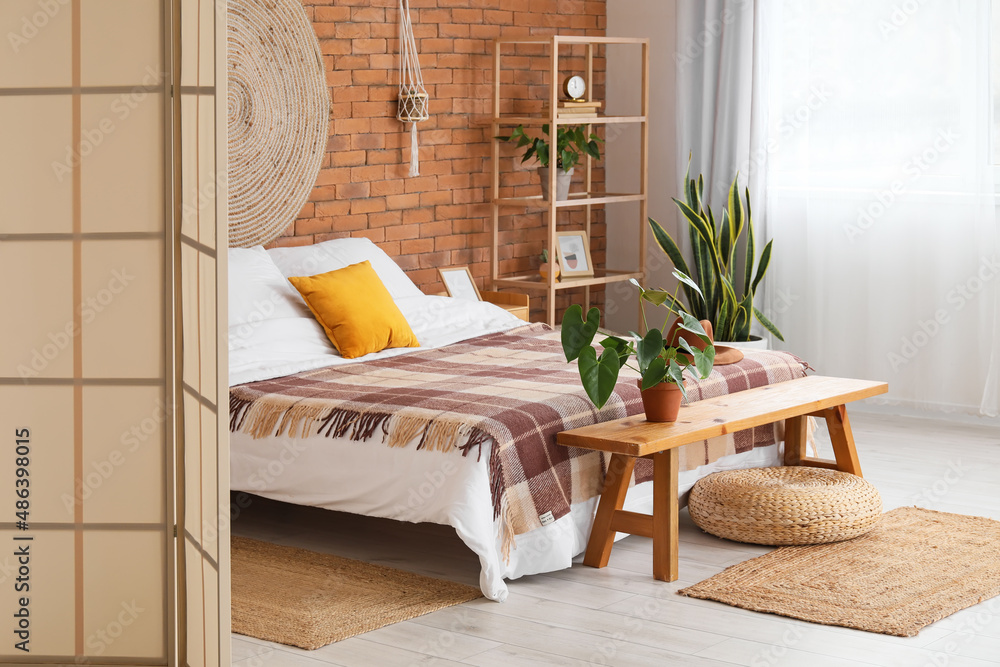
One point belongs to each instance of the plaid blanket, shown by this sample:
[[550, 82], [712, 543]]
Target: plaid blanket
[[513, 387]]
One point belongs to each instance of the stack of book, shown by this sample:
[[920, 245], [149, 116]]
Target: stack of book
[[572, 109]]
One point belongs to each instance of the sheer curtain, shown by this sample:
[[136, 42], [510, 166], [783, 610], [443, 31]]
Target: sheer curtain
[[880, 195]]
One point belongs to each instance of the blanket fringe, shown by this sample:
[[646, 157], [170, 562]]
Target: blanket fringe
[[506, 530], [298, 417]]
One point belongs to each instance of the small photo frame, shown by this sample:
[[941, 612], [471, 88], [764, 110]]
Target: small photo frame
[[573, 249], [458, 283]]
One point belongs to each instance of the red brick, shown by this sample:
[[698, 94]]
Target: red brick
[[353, 190], [369, 205], [347, 158], [382, 188], [333, 208], [367, 174], [402, 201], [385, 219], [416, 246]]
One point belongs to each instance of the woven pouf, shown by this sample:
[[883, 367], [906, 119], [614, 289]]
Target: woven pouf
[[783, 506]]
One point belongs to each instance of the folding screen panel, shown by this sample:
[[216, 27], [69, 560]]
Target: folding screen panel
[[202, 455], [91, 267]]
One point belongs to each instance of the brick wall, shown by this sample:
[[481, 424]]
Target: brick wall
[[441, 218]]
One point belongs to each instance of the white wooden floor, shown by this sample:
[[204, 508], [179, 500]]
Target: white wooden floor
[[620, 615]]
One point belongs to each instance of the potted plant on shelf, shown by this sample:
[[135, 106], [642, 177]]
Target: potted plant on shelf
[[711, 289], [571, 141], [543, 268], [660, 363]]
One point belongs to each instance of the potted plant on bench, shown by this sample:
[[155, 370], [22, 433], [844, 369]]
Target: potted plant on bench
[[660, 362], [571, 141], [711, 290]]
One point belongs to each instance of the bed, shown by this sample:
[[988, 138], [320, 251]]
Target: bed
[[313, 428]]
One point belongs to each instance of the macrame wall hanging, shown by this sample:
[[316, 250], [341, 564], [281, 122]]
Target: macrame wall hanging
[[412, 94]]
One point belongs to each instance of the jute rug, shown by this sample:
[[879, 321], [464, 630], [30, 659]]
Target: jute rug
[[306, 599], [916, 567]]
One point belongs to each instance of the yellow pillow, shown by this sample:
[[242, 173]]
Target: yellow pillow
[[356, 310]]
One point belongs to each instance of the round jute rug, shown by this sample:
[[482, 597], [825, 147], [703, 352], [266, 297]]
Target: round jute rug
[[279, 111]]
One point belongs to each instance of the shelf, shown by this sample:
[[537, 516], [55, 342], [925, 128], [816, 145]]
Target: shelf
[[542, 120], [535, 282], [575, 199], [546, 109], [572, 39]]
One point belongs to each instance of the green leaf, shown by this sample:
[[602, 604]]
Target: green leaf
[[622, 347], [768, 325], [657, 297], [649, 348], [599, 376], [654, 374], [667, 244], [689, 323], [576, 334], [726, 239], [703, 361], [684, 278], [676, 375], [748, 263], [696, 221], [736, 213], [765, 260]]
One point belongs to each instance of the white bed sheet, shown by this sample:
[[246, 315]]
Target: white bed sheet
[[444, 488]]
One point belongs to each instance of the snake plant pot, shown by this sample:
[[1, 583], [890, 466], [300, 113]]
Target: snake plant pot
[[563, 179], [755, 343], [662, 402]]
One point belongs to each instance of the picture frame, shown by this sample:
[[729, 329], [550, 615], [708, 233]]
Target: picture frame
[[459, 284], [573, 252]]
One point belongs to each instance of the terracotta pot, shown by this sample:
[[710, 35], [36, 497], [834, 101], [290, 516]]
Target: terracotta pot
[[693, 340], [543, 270], [661, 403]]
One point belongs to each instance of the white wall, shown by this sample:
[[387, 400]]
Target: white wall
[[653, 19]]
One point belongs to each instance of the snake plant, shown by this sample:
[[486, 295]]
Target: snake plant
[[711, 290]]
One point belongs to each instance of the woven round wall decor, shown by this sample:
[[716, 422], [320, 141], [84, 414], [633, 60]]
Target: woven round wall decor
[[279, 113]]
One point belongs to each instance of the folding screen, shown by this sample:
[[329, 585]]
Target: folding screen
[[102, 271]]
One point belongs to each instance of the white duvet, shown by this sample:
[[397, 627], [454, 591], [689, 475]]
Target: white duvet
[[272, 334]]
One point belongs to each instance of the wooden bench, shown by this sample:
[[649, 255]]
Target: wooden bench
[[633, 438]]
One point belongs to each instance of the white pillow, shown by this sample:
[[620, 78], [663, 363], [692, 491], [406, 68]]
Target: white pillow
[[270, 327], [257, 289], [338, 253]]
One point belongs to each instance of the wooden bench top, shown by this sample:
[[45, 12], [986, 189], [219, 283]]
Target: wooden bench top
[[711, 417]]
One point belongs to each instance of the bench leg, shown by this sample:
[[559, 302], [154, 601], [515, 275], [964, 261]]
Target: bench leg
[[843, 440], [796, 438], [612, 499], [665, 508]]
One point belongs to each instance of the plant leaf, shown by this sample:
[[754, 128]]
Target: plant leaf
[[649, 348], [599, 375], [654, 374], [768, 325], [736, 214], [748, 264], [765, 259], [684, 278], [703, 361], [576, 334], [676, 375]]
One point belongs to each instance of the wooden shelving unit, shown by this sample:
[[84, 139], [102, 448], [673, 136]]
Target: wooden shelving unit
[[551, 207]]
